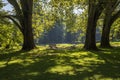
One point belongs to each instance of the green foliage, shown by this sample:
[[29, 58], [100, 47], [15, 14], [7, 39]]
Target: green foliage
[[72, 13], [46, 13], [9, 35], [1, 4], [42, 17], [115, 30]]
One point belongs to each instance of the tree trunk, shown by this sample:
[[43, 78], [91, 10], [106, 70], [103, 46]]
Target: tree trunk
[[108, 21], [105, 42], [93, 15], [90, 43], [106, 27], [28, 42]]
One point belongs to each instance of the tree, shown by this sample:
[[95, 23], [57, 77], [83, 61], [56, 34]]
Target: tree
[[54, 35], [95, 9], [71, 37], [111, 15], [23, 20]]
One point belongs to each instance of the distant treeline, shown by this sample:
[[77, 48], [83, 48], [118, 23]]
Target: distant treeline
[[59, 34]]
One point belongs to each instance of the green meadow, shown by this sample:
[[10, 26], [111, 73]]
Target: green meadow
[[60, 64]]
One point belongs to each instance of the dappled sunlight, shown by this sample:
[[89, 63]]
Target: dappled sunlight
[[64, 45], [62, 69], [33, 73], [15, 61], [59, 40], [65, 64], [2, 64], [115, 44]]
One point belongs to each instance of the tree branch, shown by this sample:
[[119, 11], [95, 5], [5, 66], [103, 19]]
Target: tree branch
[[14, 21], [115, 16], [16, 6]]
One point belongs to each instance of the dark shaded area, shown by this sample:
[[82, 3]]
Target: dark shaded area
[[37, 70]]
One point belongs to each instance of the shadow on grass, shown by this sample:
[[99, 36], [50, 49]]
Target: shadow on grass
[[66, 65], [6, 54]]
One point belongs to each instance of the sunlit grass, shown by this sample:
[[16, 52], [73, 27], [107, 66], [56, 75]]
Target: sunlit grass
[[61, 64], [62, 69]]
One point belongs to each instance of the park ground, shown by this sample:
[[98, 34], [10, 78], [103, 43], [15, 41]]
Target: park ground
[[60, 64]]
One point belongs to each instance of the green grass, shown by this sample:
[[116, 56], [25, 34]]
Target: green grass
[[61, 64]]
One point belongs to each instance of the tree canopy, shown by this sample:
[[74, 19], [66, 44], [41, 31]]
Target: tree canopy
[[31, 19]]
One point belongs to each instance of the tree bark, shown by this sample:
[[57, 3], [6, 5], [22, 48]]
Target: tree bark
[[108, 21], [90, 32], [28, 42], [93, 15], [24, 23], [105, 38], [105, 41]]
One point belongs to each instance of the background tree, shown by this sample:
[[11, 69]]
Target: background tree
[[95, 9], [54, 35], [112, 13]]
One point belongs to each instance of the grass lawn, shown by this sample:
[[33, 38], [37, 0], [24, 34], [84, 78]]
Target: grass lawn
[[61, 64]]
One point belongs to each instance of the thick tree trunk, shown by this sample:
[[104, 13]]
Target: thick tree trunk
[[106, 28], [105, 38], [105, 41], [93, 15], [28, 42], [108, 21], [90, 43]]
